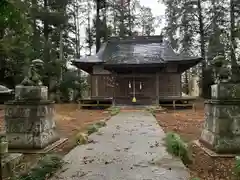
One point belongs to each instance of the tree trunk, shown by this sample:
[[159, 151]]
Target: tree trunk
[[34, 27], [105, 24], [115, 24], [214, 21], [201, 31], [203, 53], [46, 51], [46, 34], [232, 34], [89, 33], [98, 40], [129, 18], [76, 24], [61, 52], [234, 65], [122, 19]]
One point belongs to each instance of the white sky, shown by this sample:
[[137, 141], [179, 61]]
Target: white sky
[[158, 9]]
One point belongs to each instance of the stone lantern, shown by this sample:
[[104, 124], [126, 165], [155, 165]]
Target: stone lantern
[[221, 131], [29, 118]]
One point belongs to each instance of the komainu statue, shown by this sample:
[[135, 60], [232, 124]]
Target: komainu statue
[[33, 77], [221, 71]]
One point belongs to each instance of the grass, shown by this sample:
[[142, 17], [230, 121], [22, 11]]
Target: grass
[[44, 169], [114, 110], [101, 124], [92, 129], [236, 170], [177, 147]]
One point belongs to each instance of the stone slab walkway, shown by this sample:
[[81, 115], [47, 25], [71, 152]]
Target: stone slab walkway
[[130, 147]]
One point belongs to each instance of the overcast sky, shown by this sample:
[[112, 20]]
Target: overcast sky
[[158, 9]]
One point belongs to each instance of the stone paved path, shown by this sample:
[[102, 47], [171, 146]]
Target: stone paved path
[[130, 147]]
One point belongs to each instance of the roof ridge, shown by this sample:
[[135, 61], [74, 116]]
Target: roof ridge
[[155, 38]]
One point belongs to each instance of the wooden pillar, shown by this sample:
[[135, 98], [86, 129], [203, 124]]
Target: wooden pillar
[[180, 85], [157, 88], [91, 85], [114, 89], [96, 85]]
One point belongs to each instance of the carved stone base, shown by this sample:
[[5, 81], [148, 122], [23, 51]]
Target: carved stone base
[[45, 150], [225, 91], [221, 131], [31, 93], [30, 125], [32, 141]]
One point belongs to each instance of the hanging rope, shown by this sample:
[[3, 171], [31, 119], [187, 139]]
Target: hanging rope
[[134, 91]]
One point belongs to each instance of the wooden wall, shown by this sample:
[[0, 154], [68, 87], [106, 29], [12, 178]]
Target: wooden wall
[[170, 85], [104, 85]]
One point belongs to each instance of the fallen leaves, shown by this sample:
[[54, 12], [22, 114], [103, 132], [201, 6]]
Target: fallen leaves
[[187, 123]]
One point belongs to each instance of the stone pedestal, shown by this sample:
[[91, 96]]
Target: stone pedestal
[[221, 131], [29, 119], [31, 93]]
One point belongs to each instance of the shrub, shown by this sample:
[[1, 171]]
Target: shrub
[[101, 124], [177, 147], [92, 129], [236, 169], [114, 110]]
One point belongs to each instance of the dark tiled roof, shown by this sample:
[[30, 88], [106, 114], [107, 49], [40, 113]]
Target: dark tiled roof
[[136, 50], [94, 58], [133, 53]]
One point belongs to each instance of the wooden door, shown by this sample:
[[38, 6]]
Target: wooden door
[[130, 87], [142, 88]]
